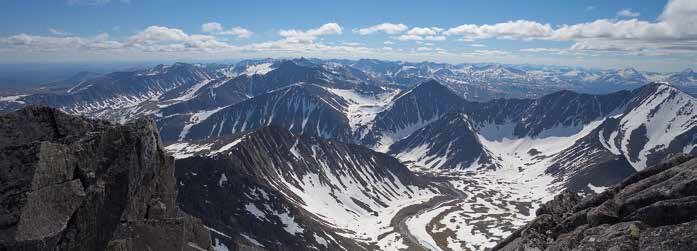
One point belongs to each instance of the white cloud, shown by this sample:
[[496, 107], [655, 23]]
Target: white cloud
[[540, 50], [610, 29], [53, 43], [311, 34], [492, 52], [217, 29], [350, 43], [425, 43], [160, 38], [388, 28], [519, 29], [627, 13], [422, 34], [424, 31], [212, 27], [58, 32], [681, 16], [155, 34], [674, 30], [239, 32], [672, 33], [420, 38]]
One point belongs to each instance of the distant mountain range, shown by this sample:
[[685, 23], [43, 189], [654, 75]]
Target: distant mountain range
[[373, 154]]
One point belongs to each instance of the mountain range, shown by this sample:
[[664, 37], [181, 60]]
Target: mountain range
[[368, 154]]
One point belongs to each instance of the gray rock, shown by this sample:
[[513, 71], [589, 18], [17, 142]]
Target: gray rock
[[651, 210], [47, 210], [69, 183], [560, 206], [667, 212], [675, 237], [606, 213], [620, 236]]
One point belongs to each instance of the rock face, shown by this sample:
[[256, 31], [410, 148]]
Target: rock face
[[70, 183], [651, 210]]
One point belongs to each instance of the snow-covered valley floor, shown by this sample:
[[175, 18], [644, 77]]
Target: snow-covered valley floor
[[475, 212]]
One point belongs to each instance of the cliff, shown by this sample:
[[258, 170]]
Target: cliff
[[71, 183]]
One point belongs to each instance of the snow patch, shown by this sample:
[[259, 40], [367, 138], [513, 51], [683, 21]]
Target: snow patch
[[258, 69], [596, 189], [195, 119], [14, 99]]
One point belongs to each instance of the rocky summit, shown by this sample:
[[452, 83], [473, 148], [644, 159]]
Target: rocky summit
[[71, 183], [654, 209]]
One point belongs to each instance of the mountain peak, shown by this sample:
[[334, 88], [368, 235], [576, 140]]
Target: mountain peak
[[688, 71], [430, 85], [657, 85]]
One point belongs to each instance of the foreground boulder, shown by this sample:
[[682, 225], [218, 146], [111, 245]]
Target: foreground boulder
[[70, 183], [655, 209]]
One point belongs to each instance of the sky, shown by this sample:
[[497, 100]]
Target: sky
[[648, 35]]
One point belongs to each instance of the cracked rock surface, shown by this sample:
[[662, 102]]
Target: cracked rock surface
[[71, 183], [655, 209]]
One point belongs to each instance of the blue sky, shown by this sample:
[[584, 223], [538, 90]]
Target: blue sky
[[648, 35]]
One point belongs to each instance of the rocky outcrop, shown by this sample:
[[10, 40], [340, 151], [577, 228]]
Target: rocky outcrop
[[655, 209], [70, 183]]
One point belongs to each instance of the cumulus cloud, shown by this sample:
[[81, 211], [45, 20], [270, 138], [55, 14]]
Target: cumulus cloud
[[350, 43], [239, 32], [54, 43], [627, 13], [681, 16], [155, 34], [422, 34], [519, 29], [388, 28], [672, 32], [153, 38], [423, 31], [304, 43], [167, 39], [311, 34], [159, 38], [673, 29], [57, 32], [212, 27], [218, 29]]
